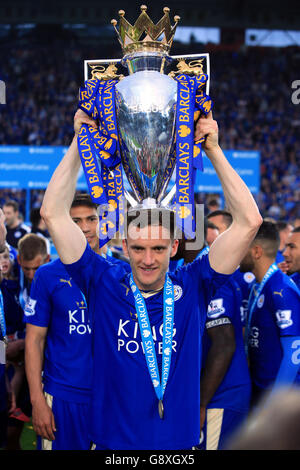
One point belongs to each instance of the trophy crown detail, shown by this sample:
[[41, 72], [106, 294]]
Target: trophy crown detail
[[130, 36]]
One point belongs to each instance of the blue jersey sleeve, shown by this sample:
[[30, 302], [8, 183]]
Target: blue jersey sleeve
[[88, 270], [208, 279], [221, 307], [38, 305], [286, 308], [290, 361], [296, 279]]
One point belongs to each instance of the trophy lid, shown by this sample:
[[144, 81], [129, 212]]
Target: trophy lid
[[157, 38]]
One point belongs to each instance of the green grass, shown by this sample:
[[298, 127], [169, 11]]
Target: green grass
[[28, 438]]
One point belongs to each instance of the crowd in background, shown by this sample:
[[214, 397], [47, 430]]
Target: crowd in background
[[251, 90]]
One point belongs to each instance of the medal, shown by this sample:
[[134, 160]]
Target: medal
[[161, 409]]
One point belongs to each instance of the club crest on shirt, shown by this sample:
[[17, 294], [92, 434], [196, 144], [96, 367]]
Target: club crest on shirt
[[177, 292], [249, 277], [215, 308], [30, 307], [261, 300], [284, 318]]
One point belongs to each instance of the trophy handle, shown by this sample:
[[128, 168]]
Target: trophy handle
[[130, 199], [168, 198]]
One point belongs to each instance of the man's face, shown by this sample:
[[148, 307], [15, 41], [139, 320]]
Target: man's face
[[247, 263], [149, 250], [29, 267], [284, 234], [11, 216], [5, 263], [218, 221], [291, 253], [212, 234], [87, 219]]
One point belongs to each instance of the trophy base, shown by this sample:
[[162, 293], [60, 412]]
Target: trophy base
[[149, 203]]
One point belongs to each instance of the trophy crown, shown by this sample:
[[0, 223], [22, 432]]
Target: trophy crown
[[157, 37]]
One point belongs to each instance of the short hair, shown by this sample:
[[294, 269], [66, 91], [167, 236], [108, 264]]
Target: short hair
[[213, 202], [281, 225], [208, 224], [83, 199], [5, 249], [12, 203], [31, 245], [268, 236], [35, 216], [141, 218], [227, 217]]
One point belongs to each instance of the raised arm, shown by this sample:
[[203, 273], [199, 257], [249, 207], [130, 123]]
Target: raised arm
[[230, 247], [67, 237]]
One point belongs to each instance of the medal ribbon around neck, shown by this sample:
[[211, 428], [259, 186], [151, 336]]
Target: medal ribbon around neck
[[147, 337], [252, 303]]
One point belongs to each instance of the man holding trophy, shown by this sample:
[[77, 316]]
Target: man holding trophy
[[147, 324]]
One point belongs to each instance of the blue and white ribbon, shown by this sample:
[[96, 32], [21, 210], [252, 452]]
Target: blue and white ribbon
[[253, 299], [100, 156], [191, 99], [159, 384]]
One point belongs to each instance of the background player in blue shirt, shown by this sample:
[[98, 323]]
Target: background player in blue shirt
[[15, 332], [125, 408], [32, 253], [222, 219], [58, 342], [225, 380], [15, 229], [273, 324]]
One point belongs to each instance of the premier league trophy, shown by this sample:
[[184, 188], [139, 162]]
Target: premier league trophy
[[146, 105]]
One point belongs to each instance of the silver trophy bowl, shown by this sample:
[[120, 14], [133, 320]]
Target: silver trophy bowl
[[146, 113]]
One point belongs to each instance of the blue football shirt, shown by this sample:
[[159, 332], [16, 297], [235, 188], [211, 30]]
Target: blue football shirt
[[276, 314], [235, 389], [245, 282], [12, 308], [57, 303], [3, 393], [296, 278], [124, 403]]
